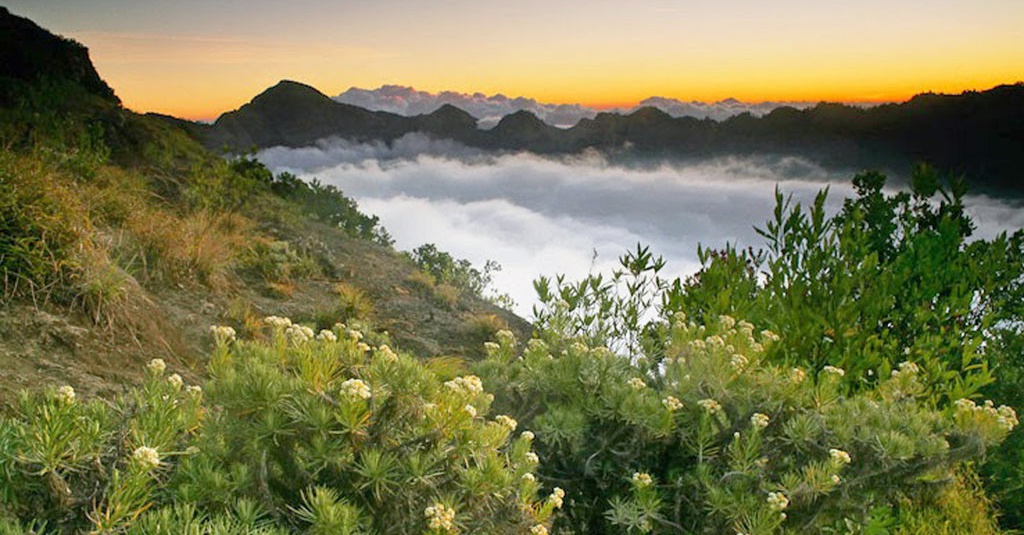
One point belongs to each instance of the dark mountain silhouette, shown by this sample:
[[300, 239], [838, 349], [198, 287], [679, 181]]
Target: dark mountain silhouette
[[980, 134], [31, 56]]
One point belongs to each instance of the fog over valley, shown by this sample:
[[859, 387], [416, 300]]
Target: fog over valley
[[548, 215]]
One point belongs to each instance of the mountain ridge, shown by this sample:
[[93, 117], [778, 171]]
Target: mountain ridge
[[976, 133]]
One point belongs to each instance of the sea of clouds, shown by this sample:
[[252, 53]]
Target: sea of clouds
[[571, 215], [489, 109]]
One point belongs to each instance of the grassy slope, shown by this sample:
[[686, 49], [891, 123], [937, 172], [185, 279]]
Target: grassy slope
[[133, 252]]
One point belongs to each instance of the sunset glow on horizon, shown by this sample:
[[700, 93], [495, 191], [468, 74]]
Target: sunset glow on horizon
[[196, 60]]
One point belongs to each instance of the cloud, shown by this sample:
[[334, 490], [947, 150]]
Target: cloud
[[544, 216], [490, 109]]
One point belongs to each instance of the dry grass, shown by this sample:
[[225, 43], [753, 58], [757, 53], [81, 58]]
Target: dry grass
[[354, 303]]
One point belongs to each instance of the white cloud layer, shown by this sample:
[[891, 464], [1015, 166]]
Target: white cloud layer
[[543, 216], [490, 109]]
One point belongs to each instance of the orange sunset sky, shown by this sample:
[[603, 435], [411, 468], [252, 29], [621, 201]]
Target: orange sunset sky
[[199, 58]]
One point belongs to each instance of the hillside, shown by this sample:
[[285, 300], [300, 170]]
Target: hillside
[[123, 240], [975, 133]]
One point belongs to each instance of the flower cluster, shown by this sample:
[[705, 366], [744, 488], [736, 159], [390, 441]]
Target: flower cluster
[[738, 362], [470, 410], [556, 498], [277, 322], [528, 435], [507, 421], [636, 383], [838, 372], [175, 381], [777, 501], [327, 336], [797, 375], [194, 390], [146, 457], [156, 366], [672, 403], [532, 458], [356, 389], [727, 322], [1005, 416], [491, 347], [529, 477], [505, 337], [906, 369], [440, 516], [769, 336], [468, 384], [387, 354], [354, 335], [539, 529], [66, 394], [298, 333], [641, 479], [222, 334], [839, 457], [710, 405], [759, 421]]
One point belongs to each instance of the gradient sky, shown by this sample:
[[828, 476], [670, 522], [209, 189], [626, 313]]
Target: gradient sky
[[198, 58]]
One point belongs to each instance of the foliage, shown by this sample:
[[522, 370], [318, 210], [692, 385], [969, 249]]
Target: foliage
[[314, 432], [459, 273], [708, 434]]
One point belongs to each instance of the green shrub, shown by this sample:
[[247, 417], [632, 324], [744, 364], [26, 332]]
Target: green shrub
[[709, 435]]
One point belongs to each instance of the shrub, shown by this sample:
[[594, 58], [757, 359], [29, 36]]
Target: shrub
[[709, 435]]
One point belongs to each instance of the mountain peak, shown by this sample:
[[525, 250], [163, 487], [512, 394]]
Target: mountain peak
[[30, 55]]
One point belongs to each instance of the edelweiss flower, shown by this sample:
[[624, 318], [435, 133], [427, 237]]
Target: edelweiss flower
[[175, 381], [505, 337], [470, 384], [471, 410], [532, 458], [834, 371], [277, 322], [528, 435], [641, 479], [356, 389], [156, 366], [66, 394], [905, 369], [529, 477], [727, 322], [147, 457], [839, 457], [710, 405], [194, 390], [672, 404], [556, 497], [506, 421], [491, 347], [759, 421], [387, 354], [222, 334], [636, 383], [440, 516], [777, 501], [738, 362], [539, 529], [327, 336]]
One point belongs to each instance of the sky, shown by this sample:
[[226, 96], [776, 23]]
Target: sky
[[199, 58], [538, 215]]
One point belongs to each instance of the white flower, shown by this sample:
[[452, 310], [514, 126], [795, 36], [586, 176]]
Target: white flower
[[906, 369], [672, 404], [636, 383], [710, 405], [539, 529], [836, 479], [727, 322], [738, 362], [797, 375], [528, 435], [529, 477], [194, 390], [470, 384], [440, 516], [470, 410], [759, 421], [356, 389], [839, 457], [354, 335], [175, 381], [1007, 418], [641, 479], [277, 322], [327, 336], [156, 366], [363, 346], [556, 497], [222, 334], [387, 354], [532, 458], [66, 394], [506, 421], [777, 501], [505, 337], [491, 347], [147, 457], [834, 371], [298, 333], [769, 336]]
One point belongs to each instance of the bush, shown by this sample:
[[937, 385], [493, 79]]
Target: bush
[[314, 432]]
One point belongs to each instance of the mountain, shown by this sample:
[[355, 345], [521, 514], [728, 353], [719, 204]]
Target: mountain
[[122, 239], [979, 134]]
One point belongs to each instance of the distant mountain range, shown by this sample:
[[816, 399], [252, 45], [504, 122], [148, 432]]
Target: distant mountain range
[[489, 109], [980, 134]]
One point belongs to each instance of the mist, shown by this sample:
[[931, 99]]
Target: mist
[[539, 215]]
